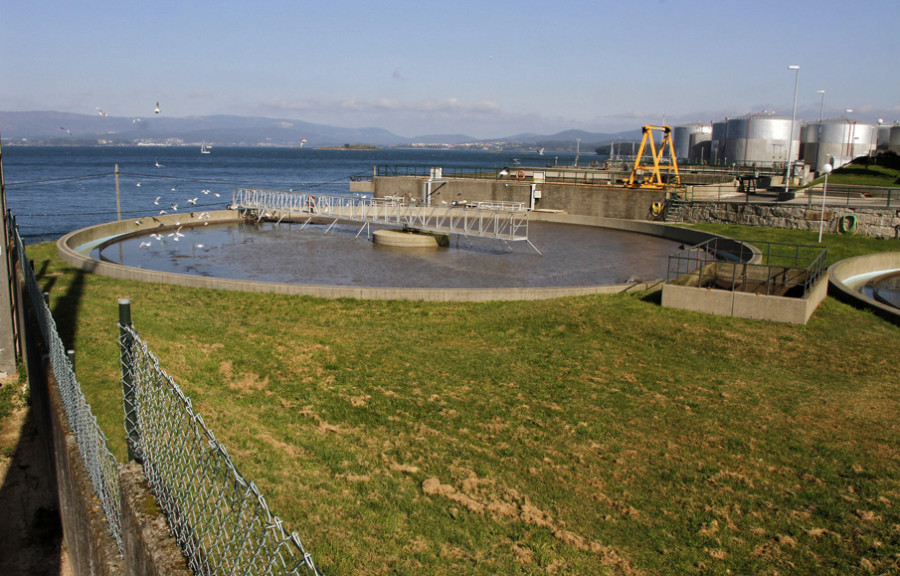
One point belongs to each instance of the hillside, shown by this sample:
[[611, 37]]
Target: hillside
[[61, 129]]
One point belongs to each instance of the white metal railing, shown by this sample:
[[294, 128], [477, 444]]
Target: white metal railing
[[507, 221]]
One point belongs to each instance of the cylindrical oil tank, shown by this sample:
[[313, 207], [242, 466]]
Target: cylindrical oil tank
[[762, 139], [842, 139], [717, 143], [884, 136], [809, 143], [894, 144], [685, 138]]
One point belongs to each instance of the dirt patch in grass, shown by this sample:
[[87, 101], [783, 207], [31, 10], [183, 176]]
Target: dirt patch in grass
[[482, 496]]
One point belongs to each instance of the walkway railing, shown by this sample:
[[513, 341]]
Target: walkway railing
[[768, 268], [507, 221]]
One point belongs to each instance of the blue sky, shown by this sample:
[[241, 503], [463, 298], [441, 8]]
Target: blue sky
[[487, 69]]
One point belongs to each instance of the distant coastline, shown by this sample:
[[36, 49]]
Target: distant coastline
[[349, 147]]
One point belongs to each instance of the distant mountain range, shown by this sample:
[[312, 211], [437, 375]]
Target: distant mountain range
[[61, 128]]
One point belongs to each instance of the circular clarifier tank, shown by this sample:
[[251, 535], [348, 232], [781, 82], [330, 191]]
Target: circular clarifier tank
[[559, 255]]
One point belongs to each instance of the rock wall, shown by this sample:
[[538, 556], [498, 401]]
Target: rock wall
[[871, 222]]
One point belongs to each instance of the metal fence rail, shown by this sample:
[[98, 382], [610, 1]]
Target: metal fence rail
[[220, 520], [768, 268], [101, 465], [506, 221]]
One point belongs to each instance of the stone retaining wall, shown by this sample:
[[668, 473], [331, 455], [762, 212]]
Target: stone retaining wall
[[872, 222]]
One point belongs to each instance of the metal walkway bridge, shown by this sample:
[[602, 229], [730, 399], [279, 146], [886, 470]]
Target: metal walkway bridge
[[504, 221]]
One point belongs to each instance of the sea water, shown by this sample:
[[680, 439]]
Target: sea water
[[54, 190]]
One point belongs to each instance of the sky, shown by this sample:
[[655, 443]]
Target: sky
[[484, 68]]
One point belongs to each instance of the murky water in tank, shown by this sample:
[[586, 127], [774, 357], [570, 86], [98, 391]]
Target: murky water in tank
[[887, 289], [286, 253]]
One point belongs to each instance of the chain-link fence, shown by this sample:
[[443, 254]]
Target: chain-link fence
[[101, 465], [220, 520]]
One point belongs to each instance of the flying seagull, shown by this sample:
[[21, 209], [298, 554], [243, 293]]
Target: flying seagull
[[157, 108]]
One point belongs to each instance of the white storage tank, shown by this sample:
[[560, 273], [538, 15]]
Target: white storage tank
[[809, 144], [762, 139], [717, 143], [687, 140], [841, 140], [894, 143]]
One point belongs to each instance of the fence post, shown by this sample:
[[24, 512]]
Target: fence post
[[125, 341]]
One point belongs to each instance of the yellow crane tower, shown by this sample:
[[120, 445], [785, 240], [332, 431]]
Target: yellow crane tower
[[638, 178]]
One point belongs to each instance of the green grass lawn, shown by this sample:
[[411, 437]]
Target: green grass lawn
[[589, 435]]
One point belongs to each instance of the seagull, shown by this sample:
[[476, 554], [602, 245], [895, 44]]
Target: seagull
[[205, 192], [216, 194], [158, 165], [138, 184], [176, 234], [157, 200], [135, 120], [174, 206], [137, 222], [69, 132], [163, 212], [145, 244], [157, 236], [157, 108], [101, 112], [192, 201]]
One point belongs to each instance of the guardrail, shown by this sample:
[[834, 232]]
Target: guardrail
[[506, 221], [768, 268], [852, 194]]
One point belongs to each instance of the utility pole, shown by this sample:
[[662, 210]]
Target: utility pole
[[7, 277]]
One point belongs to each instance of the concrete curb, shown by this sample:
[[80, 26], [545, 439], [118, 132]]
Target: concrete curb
[[68, 249]]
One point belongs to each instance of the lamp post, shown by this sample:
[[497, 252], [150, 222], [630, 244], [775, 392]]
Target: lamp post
[[822, 105], [827, 170], [787, 171], [845, 131], [819, 132]]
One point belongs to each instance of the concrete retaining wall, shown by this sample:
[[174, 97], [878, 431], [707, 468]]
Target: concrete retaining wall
[[745, 305], [608, 202], [872, 222], [92, 550]]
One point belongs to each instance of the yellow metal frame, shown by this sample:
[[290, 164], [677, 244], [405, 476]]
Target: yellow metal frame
[[656, 181]]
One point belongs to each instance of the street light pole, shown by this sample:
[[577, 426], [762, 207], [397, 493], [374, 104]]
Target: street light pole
[[787, 170], [827, 170], [819, 131], [845, 131], [822, 105]]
